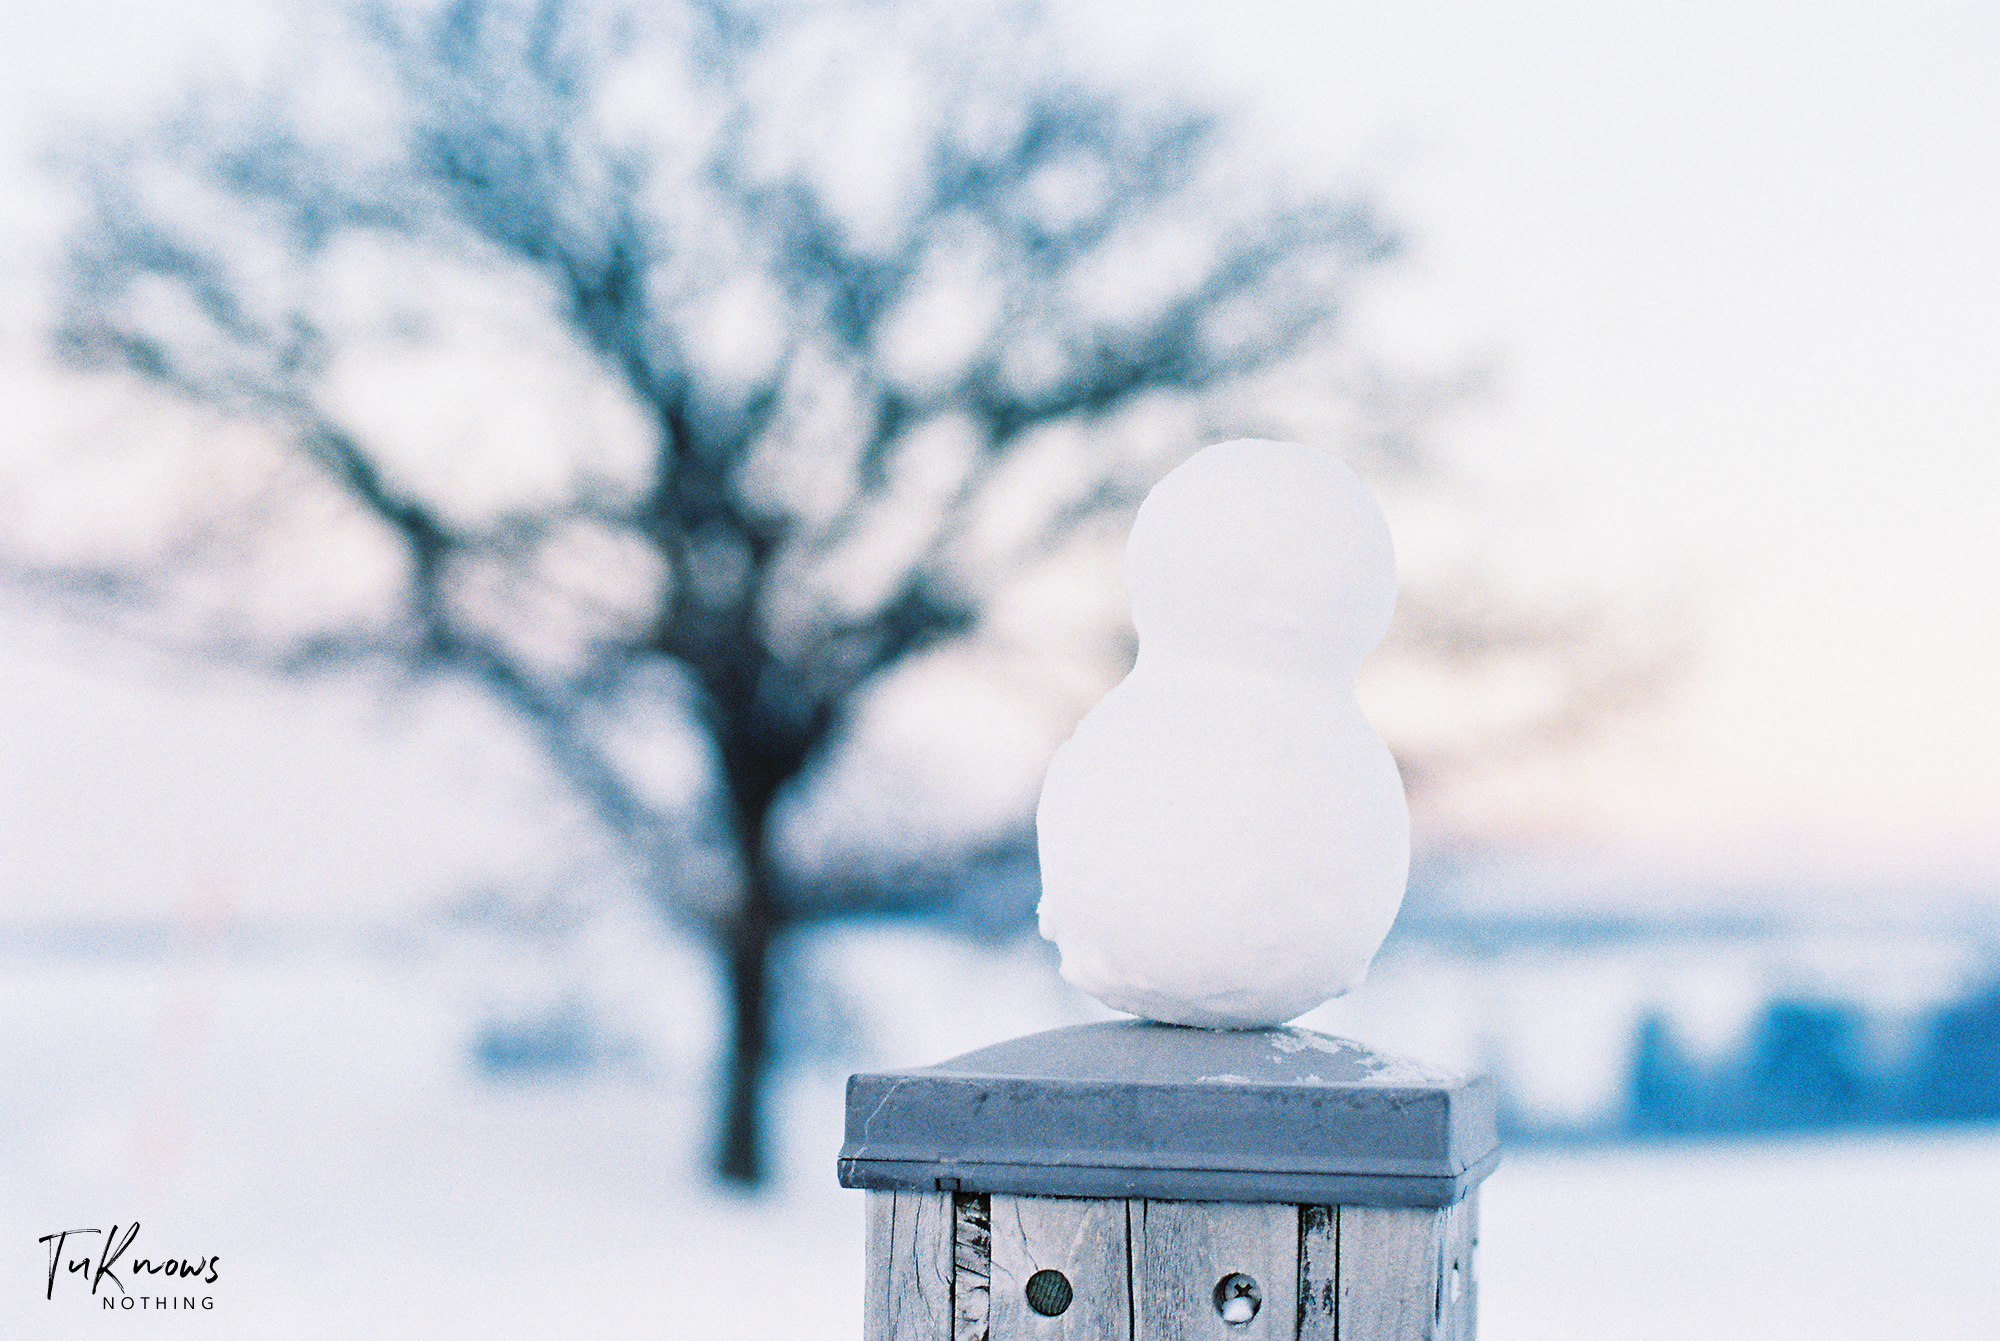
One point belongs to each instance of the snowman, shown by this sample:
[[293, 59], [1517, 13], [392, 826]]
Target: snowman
[[1224, 840]]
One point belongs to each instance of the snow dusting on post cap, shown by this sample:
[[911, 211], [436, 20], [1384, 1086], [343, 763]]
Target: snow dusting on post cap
[[1224, 839]]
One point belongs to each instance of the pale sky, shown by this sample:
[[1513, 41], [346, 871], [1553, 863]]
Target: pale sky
[[1737, 271], [1738, 265]]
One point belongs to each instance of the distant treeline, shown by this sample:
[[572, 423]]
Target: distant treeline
[[1806, 1065]]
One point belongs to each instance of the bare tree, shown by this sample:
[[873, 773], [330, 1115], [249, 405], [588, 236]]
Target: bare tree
[[826, 356]]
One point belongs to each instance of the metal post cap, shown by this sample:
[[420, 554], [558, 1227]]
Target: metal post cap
[[1130, 1108]]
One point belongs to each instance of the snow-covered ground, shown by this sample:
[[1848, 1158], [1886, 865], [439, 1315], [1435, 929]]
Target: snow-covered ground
[[310, 1116]]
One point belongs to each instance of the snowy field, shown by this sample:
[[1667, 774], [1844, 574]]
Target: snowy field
[[310, 1116]]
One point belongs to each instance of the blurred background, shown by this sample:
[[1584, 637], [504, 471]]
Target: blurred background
[[544, 549]]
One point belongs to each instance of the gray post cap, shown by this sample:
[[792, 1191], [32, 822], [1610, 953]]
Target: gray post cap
[[1129, 1108]]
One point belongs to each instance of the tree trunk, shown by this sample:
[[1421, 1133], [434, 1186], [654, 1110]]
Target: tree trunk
[[746, 957], [758, 760]]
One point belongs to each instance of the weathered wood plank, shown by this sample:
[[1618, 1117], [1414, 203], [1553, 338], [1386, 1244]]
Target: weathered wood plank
[[909, 1268], [1319, 1273], [972, 1265], [1085, 1240], [1183, 1251], [1460, 1284], [1391, 1260]]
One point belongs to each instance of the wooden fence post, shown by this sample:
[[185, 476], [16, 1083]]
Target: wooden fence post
[[1131, 1181]]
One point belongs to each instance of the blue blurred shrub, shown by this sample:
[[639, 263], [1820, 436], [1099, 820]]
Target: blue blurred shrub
[[1667, 1092], [1805, 1068], [564, 1039], [1957, 1074]]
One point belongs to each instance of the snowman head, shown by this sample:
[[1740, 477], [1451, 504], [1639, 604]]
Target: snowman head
[[1267, 555]]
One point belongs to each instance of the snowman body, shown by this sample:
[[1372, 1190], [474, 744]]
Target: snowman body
[[1224, 839]]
